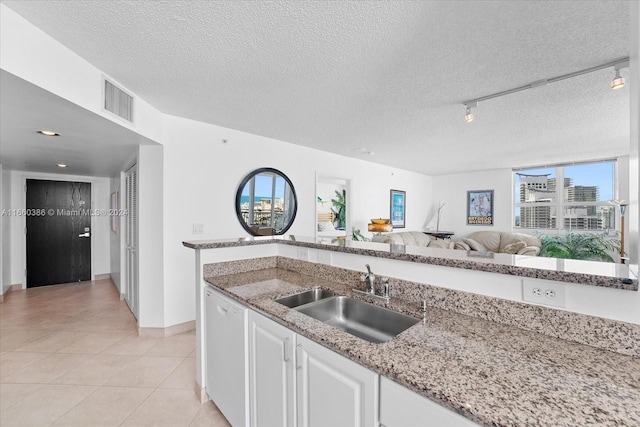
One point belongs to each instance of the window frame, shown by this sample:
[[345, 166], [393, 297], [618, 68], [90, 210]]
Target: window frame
[[559, 202]]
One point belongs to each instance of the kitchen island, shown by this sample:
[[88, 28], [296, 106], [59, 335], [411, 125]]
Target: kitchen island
[[489, 372]]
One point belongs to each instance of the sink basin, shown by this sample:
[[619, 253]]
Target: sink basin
[[367, 321], [305, 297]]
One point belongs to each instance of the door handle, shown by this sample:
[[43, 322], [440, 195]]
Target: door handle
[[84, 235], [285, 346]]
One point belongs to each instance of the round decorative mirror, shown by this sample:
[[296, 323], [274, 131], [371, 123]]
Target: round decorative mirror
[[266, 202]]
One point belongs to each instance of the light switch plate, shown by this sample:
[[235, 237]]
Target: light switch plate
[[544, 292], [198, 228]]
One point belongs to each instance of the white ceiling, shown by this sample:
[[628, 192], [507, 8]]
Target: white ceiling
[[389, 77], [89, 144]]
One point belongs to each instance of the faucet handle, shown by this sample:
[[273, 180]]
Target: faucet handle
[[385, 286]]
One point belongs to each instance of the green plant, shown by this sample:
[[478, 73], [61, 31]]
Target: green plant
[[340, 205], [357, 235], [585, 246]]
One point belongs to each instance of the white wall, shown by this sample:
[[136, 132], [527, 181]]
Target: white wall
[[34, 56], [5, 230], [151, 282], [100, 225], [201, 175], [452, 190]]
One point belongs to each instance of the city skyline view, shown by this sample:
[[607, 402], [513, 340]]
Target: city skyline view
[[577, 206]]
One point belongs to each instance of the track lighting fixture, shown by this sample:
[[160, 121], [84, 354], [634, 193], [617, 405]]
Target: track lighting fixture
[[616, 83], [618, 80], [468, 117]]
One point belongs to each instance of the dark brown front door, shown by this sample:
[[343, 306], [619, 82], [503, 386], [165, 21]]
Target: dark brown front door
[[58, 232]]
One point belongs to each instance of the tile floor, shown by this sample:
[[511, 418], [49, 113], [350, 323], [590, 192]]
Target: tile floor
[[70, 356]]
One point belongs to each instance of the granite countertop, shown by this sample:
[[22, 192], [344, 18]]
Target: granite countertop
[[605, 274], [494, 374]]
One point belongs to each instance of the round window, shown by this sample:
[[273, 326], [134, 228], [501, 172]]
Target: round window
[[266, 202]]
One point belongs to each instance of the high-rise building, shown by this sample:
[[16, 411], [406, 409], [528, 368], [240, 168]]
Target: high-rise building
[[542, 189]]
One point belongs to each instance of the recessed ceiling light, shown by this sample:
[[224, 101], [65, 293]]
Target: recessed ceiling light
[[48, 133], [62, 165]]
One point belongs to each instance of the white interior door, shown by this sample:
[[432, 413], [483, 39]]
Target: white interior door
[[131, 237]]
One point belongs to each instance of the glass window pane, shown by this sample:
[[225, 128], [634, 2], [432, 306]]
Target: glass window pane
[[535, 185], [592, 182], [590, 217], [536, 217]]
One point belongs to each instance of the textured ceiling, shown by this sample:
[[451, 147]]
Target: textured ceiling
[[389, 77], [90, 144]]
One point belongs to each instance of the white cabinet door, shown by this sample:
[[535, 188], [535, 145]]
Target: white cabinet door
[[332, 390], [226, 356], [401, 407], [271, 372]]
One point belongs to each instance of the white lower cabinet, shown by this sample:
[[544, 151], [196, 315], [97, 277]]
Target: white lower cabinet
[[271, 373], [401, 407], [332, 390], [226, 356], [262, 374]]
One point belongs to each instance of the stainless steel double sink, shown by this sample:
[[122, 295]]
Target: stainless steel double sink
[[367, 321]]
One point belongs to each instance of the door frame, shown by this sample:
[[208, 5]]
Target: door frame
[[326, 177], [23, 219]]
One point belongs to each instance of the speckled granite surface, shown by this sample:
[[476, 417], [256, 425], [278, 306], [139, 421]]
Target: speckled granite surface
[[621, 337], [493, 374], [610, 275]]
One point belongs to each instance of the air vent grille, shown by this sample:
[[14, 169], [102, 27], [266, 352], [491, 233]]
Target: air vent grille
[[117, 101]]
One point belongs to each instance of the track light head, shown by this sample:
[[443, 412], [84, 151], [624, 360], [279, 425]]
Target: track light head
[[618, 80], [468, 117]]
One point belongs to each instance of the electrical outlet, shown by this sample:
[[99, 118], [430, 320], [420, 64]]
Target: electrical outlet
[[303, 254], [543, 292], [324, 257], [198, 228]]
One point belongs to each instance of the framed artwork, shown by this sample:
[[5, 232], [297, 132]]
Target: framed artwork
[[398, 208], [480, 207]]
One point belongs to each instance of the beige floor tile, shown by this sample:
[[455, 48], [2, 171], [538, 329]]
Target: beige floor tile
[[147, 371], [92, 343], [47, 369], [20, 338], [192, 354], [209, 416], [184, 377], [132, 346], [107, 406], [44, 406], [53, 342], [97, 370], [165, 408], [12, 362], [13, 393], [176, 346]]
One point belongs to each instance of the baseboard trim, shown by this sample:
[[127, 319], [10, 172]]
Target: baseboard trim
[[12, 288], [201, 393], [106, 276], [168, 331]]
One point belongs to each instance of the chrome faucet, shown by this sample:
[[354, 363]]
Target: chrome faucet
[[370, 280]]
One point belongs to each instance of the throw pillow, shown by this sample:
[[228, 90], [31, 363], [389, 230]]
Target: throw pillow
[[514, 248], [325, 226], [475, 246]]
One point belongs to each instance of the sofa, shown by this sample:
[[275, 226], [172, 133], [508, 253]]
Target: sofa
[[481, 241], [415, 238], [502, 242]]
